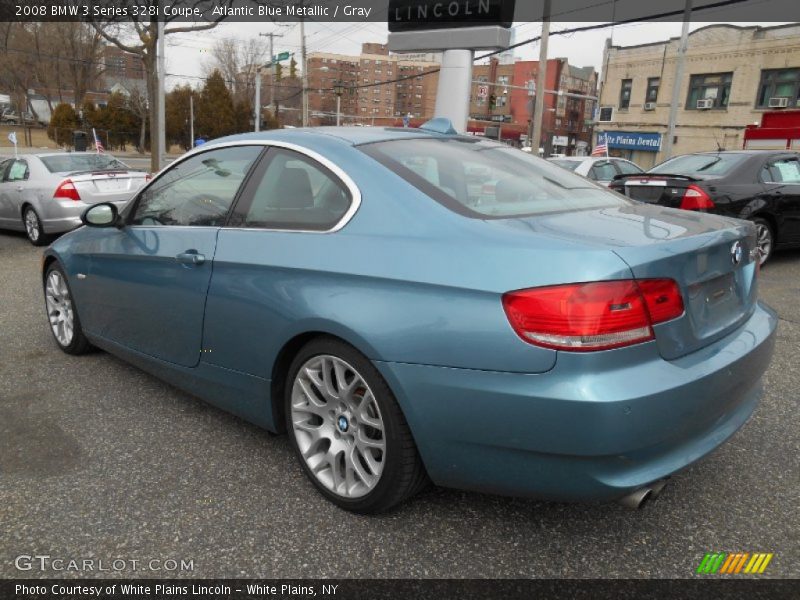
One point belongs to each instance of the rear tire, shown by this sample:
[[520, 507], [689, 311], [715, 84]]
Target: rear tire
[[64, 322], [33, 227], [765, 239], [348, 431]]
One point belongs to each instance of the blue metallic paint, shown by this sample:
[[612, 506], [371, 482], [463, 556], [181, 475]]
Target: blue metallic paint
[[417, 289]]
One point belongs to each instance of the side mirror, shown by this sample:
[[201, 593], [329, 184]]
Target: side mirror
[[104, 214]]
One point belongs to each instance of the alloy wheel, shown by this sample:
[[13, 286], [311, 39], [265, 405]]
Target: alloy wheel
[[59, 308], [32, 225], [763, 241], [338, 426]]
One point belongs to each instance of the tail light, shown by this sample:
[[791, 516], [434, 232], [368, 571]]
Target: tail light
[[584, 317], [67, 190], [695, 198]]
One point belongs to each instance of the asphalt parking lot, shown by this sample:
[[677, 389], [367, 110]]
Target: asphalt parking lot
[[99, 460]]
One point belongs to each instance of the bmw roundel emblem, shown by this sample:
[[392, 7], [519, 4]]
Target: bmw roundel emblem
[[736, 253]]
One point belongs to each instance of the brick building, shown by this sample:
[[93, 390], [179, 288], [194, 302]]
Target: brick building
[[732, 75]]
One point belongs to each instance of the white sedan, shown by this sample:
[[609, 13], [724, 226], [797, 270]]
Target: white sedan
[[597, 168]]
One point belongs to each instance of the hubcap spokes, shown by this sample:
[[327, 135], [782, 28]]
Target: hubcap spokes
[[59, 308], [338, 426], [31, 225], [764, 242]]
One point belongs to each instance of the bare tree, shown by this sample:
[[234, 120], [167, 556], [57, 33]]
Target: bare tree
[[146, 30], [238, 62]]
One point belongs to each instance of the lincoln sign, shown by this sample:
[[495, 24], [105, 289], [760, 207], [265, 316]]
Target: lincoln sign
[[416, 15]]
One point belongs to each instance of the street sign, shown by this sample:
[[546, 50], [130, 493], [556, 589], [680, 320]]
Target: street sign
[[419, 15], [483, 91], [280, 57]]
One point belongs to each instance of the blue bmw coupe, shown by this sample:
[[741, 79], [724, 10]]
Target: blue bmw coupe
[[412, 305]]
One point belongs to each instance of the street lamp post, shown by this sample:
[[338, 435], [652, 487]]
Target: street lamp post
[[338, 89]]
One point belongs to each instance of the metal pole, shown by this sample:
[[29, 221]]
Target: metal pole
[[160, 101], [191, 120], [305, 71], [257, 107], [453, 90], [272, 61], [541, 81], [676, 85], [338, 109]]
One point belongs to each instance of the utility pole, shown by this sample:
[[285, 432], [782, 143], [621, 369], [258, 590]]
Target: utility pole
[[541, 81], [257, 107], [676, 85], [305, 71], [271, 37], [161, 143], [191, 120]]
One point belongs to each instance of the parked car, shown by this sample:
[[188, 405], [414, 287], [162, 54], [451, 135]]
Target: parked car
[[45, 194], [597, 168], [560, 341], [761, 186]]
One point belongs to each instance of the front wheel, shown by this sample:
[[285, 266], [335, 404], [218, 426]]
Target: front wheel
[[33, 227], [765, 239], [348, 431], [64, 322]]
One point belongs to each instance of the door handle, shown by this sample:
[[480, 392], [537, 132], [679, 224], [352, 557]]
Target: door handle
[[190, 257], [20, 188]]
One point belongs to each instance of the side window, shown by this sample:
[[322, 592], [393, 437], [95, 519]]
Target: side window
[[782, 171], [17, 171], [602, 171], [294, 192], [627, 168], [198, 191]]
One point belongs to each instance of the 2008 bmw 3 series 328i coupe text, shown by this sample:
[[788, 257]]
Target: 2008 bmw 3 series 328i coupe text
[[414, 305]]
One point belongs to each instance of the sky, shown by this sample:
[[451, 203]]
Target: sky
[[188, 55]]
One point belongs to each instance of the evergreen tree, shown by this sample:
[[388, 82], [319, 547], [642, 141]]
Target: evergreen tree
[[63, 122], [215, 111]]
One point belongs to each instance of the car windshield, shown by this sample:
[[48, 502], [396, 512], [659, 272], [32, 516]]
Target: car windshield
[[482, 179], [69, 163], [570, 165], [700, 165]]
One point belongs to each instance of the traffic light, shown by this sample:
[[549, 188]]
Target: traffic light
[[293, 68], [278, 71], [492, 101]]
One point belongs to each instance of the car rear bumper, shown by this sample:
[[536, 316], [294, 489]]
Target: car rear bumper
[[595, 427], [58, 216]]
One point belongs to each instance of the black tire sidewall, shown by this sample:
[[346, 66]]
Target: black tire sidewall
[[379, 497]]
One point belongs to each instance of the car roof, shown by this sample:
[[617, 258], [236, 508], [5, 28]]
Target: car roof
[[353, 136]]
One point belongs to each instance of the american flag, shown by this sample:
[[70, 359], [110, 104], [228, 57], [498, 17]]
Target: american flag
[[600, 150], [97, 143]]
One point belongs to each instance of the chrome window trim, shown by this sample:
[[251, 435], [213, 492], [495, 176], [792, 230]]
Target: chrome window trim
[[351, 186]]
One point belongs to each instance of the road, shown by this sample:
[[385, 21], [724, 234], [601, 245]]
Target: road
[[99, 460]]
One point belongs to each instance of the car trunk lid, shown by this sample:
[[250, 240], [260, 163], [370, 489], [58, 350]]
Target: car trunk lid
[[664, 190], [106, 186]]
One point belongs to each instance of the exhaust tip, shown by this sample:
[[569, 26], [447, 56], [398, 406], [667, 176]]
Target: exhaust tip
[[638, 498]]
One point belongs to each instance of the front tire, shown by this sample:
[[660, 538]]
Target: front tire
[[765, 239], [64, 321], [347, 430], [33, 227]]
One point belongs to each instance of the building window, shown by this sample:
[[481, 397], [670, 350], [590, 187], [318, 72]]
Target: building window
[[713, 91], [779, 83], [653, 83], [625, 93]]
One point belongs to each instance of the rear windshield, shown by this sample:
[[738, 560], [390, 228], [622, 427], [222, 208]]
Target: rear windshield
[[700, 165], [482, 179], [68, 163], [570, 165]]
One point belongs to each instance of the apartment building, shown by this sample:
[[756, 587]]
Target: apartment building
[[732, 75]]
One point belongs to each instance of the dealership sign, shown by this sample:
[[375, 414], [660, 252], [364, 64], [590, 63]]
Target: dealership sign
[[631, 140], [415, 15]]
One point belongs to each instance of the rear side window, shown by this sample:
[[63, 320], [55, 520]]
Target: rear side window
[[198, 191], [786, 170], [481, 179], [292, 191], [700, 165], [603, 171], [627, 168]]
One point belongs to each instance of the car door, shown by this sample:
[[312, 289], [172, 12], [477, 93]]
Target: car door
[[12, 174], [268, 264], [781, 179], [148, 279], [603, 172]]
